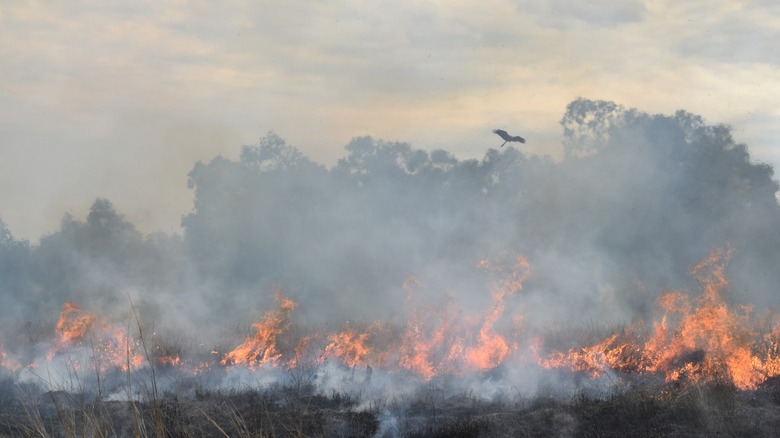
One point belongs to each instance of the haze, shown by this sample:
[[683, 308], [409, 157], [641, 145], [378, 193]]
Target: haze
[[118, 100]]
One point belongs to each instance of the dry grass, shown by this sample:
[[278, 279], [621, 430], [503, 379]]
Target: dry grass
[[287, 410]]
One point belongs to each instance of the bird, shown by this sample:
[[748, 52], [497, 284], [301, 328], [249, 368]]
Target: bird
[[503, 134]]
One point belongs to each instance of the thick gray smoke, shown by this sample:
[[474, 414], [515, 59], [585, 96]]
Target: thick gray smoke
[[636, 201]]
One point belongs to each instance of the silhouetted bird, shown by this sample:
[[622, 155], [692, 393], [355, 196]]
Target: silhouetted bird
[[501, 133]]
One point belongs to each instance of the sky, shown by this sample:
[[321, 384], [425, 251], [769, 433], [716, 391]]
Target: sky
[[119, 99]]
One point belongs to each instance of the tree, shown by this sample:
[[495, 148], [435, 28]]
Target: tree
[[14, 270]]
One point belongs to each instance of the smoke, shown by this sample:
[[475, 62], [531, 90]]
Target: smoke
[[635, 202]]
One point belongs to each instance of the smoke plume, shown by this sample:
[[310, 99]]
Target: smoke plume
[[637, 200]]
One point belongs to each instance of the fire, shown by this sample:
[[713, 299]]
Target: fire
[[355, 346], [189, 366], [8, 363], [456, 344], [111, 347], [613, 353], [262, 349], [349, 346], [170, 361], [432, 342], [492, 348], [74, 323], [416, 346], [690, 339], [429, 349], [696, 341]]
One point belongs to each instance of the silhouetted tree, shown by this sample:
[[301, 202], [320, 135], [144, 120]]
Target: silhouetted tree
[[14, 270]]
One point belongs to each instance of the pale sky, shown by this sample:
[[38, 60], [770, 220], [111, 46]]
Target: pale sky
[[119, 99]]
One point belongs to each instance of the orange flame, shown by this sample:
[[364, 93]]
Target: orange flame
[[492, 348], [7, 363], [357, 346], [701, 341], [111, 347], [443, 341], [690, 339], [170, 361], [429, 350], [454, 345], [262, 349], [74, 323]]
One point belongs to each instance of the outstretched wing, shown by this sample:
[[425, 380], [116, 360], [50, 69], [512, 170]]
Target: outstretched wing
[[503, 134], [518, 138]]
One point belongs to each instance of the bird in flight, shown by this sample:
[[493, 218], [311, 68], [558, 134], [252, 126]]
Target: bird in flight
[[501, 133]]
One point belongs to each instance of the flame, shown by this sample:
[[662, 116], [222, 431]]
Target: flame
[[262, 349], [349, 346], [357, 346], [690, 339], [613, 353], [111, 347], [190, 366], [453, 344], [492, 348], [705, 340], [74, 323], [8, 363], [416, 347], [429, 349], [170, 361], [431, 343]]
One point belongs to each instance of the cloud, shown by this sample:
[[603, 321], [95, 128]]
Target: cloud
[[438, 74], [603, 13], [735, 40]]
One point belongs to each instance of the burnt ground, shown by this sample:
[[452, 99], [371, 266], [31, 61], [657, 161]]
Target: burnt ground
[[283, 410]]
